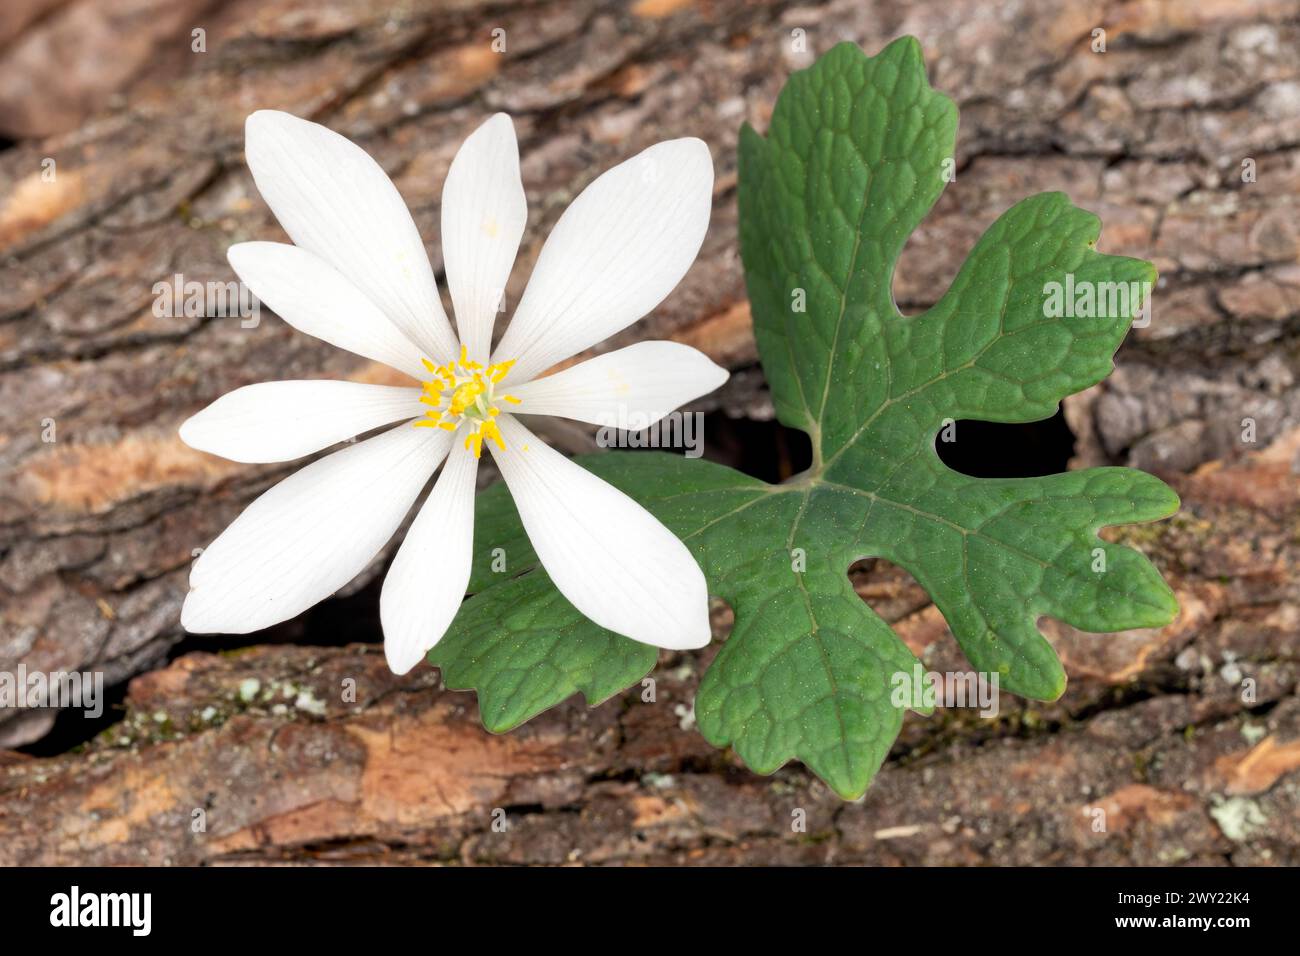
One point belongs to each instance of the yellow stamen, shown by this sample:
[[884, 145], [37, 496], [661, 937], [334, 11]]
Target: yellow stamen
[[468, 388]]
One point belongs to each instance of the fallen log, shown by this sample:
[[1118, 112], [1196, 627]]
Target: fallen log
[[102, 507]]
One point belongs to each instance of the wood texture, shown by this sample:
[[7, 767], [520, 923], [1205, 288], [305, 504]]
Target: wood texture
[[97, 528]]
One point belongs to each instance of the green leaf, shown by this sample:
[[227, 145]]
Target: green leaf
[[525, 649], [852, 162]]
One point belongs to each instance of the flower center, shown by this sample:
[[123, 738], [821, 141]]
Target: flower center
[[464, 392]]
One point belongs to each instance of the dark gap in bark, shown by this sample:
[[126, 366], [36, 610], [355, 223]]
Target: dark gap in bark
[[764, 449], [337, 622], [72, 727], [1007, 450]]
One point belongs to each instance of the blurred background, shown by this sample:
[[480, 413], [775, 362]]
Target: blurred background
[[121, 167]]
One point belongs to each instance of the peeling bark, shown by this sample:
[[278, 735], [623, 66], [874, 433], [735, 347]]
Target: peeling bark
[[97, 528]]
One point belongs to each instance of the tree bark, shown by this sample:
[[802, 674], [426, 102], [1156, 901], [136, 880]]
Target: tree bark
[[1183, 136]]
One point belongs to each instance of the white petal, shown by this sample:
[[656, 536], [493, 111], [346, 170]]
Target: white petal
[[335, 201], [314, 297], [483, 217], [610, 557], [427, 581], [615, 254], [311, 534], [281, 421], [632, 387]]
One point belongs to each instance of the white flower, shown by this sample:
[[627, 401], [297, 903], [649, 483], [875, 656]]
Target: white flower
[[358, 277]]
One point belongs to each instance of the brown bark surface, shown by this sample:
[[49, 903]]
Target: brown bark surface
[[98, 527]]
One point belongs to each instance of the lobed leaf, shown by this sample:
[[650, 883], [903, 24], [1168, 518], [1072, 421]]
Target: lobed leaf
[[852, 162]]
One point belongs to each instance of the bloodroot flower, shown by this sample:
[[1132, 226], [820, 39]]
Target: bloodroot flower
[[358, 277]]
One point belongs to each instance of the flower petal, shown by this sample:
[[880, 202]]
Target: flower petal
[[632, 387], [610, 557], [281, 421], [311, 534], [335, 201], [615, 254], [483, 217], [426, 584], [314, 297]]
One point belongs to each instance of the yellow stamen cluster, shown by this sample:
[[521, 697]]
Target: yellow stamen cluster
[[465, 392]]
